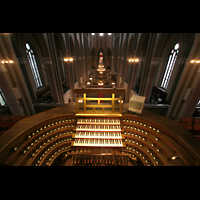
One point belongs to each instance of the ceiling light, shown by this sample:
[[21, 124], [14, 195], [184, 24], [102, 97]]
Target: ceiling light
[[101, 34], [109, 33], [93, 33]]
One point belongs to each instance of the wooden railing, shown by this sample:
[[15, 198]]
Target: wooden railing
[[97, 106]]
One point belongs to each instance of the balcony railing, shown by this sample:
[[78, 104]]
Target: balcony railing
[[86, 106]]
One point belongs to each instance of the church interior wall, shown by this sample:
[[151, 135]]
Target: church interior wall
[[84, 49]]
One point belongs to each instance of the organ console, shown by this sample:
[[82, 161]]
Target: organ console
[[101, 141], [98, 133]]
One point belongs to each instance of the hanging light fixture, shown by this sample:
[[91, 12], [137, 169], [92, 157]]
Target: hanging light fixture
[[68, 59], [195, 61], [7, 61], [133, 60]]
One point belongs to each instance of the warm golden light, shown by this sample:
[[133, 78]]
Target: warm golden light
[[68, 59], [7, 61], [195, 61], [133, 60]]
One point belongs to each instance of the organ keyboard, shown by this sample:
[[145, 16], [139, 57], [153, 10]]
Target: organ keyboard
[[99, 121], [98, 127], [99, 142], [98, 133]]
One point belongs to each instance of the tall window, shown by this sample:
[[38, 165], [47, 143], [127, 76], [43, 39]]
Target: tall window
[[170, 66], [2, 99], [33, 64]]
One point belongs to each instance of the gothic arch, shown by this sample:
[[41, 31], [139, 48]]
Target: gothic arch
[[60, 52], [100, 50], [59, 40], [162, 50], [40, 48], [142, 44]]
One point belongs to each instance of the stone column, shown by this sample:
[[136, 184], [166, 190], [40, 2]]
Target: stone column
[[147, 64], [52, 82], [125, 62], [55, 68], [5, 88], [151, 78]]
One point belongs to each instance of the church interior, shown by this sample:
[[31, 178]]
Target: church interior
[[99, 99]]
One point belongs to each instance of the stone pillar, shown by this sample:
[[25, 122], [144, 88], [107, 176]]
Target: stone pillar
[[151, 78], [118, 61], [52, 82], [77, 58], [145, 71], [71, 72], [5, 88], [55, 68], [193, 98], [85, 40], [149, 83], [125, 62]]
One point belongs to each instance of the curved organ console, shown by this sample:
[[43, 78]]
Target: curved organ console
[[57, 138]]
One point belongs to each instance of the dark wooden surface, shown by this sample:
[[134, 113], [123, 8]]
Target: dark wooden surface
[[173, 126]]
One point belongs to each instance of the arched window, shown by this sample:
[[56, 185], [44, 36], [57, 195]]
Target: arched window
[[170, 65], [33, 64], [2, 99]]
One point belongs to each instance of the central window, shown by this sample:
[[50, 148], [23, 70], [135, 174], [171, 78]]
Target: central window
[[33, 64], [170, 66]]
